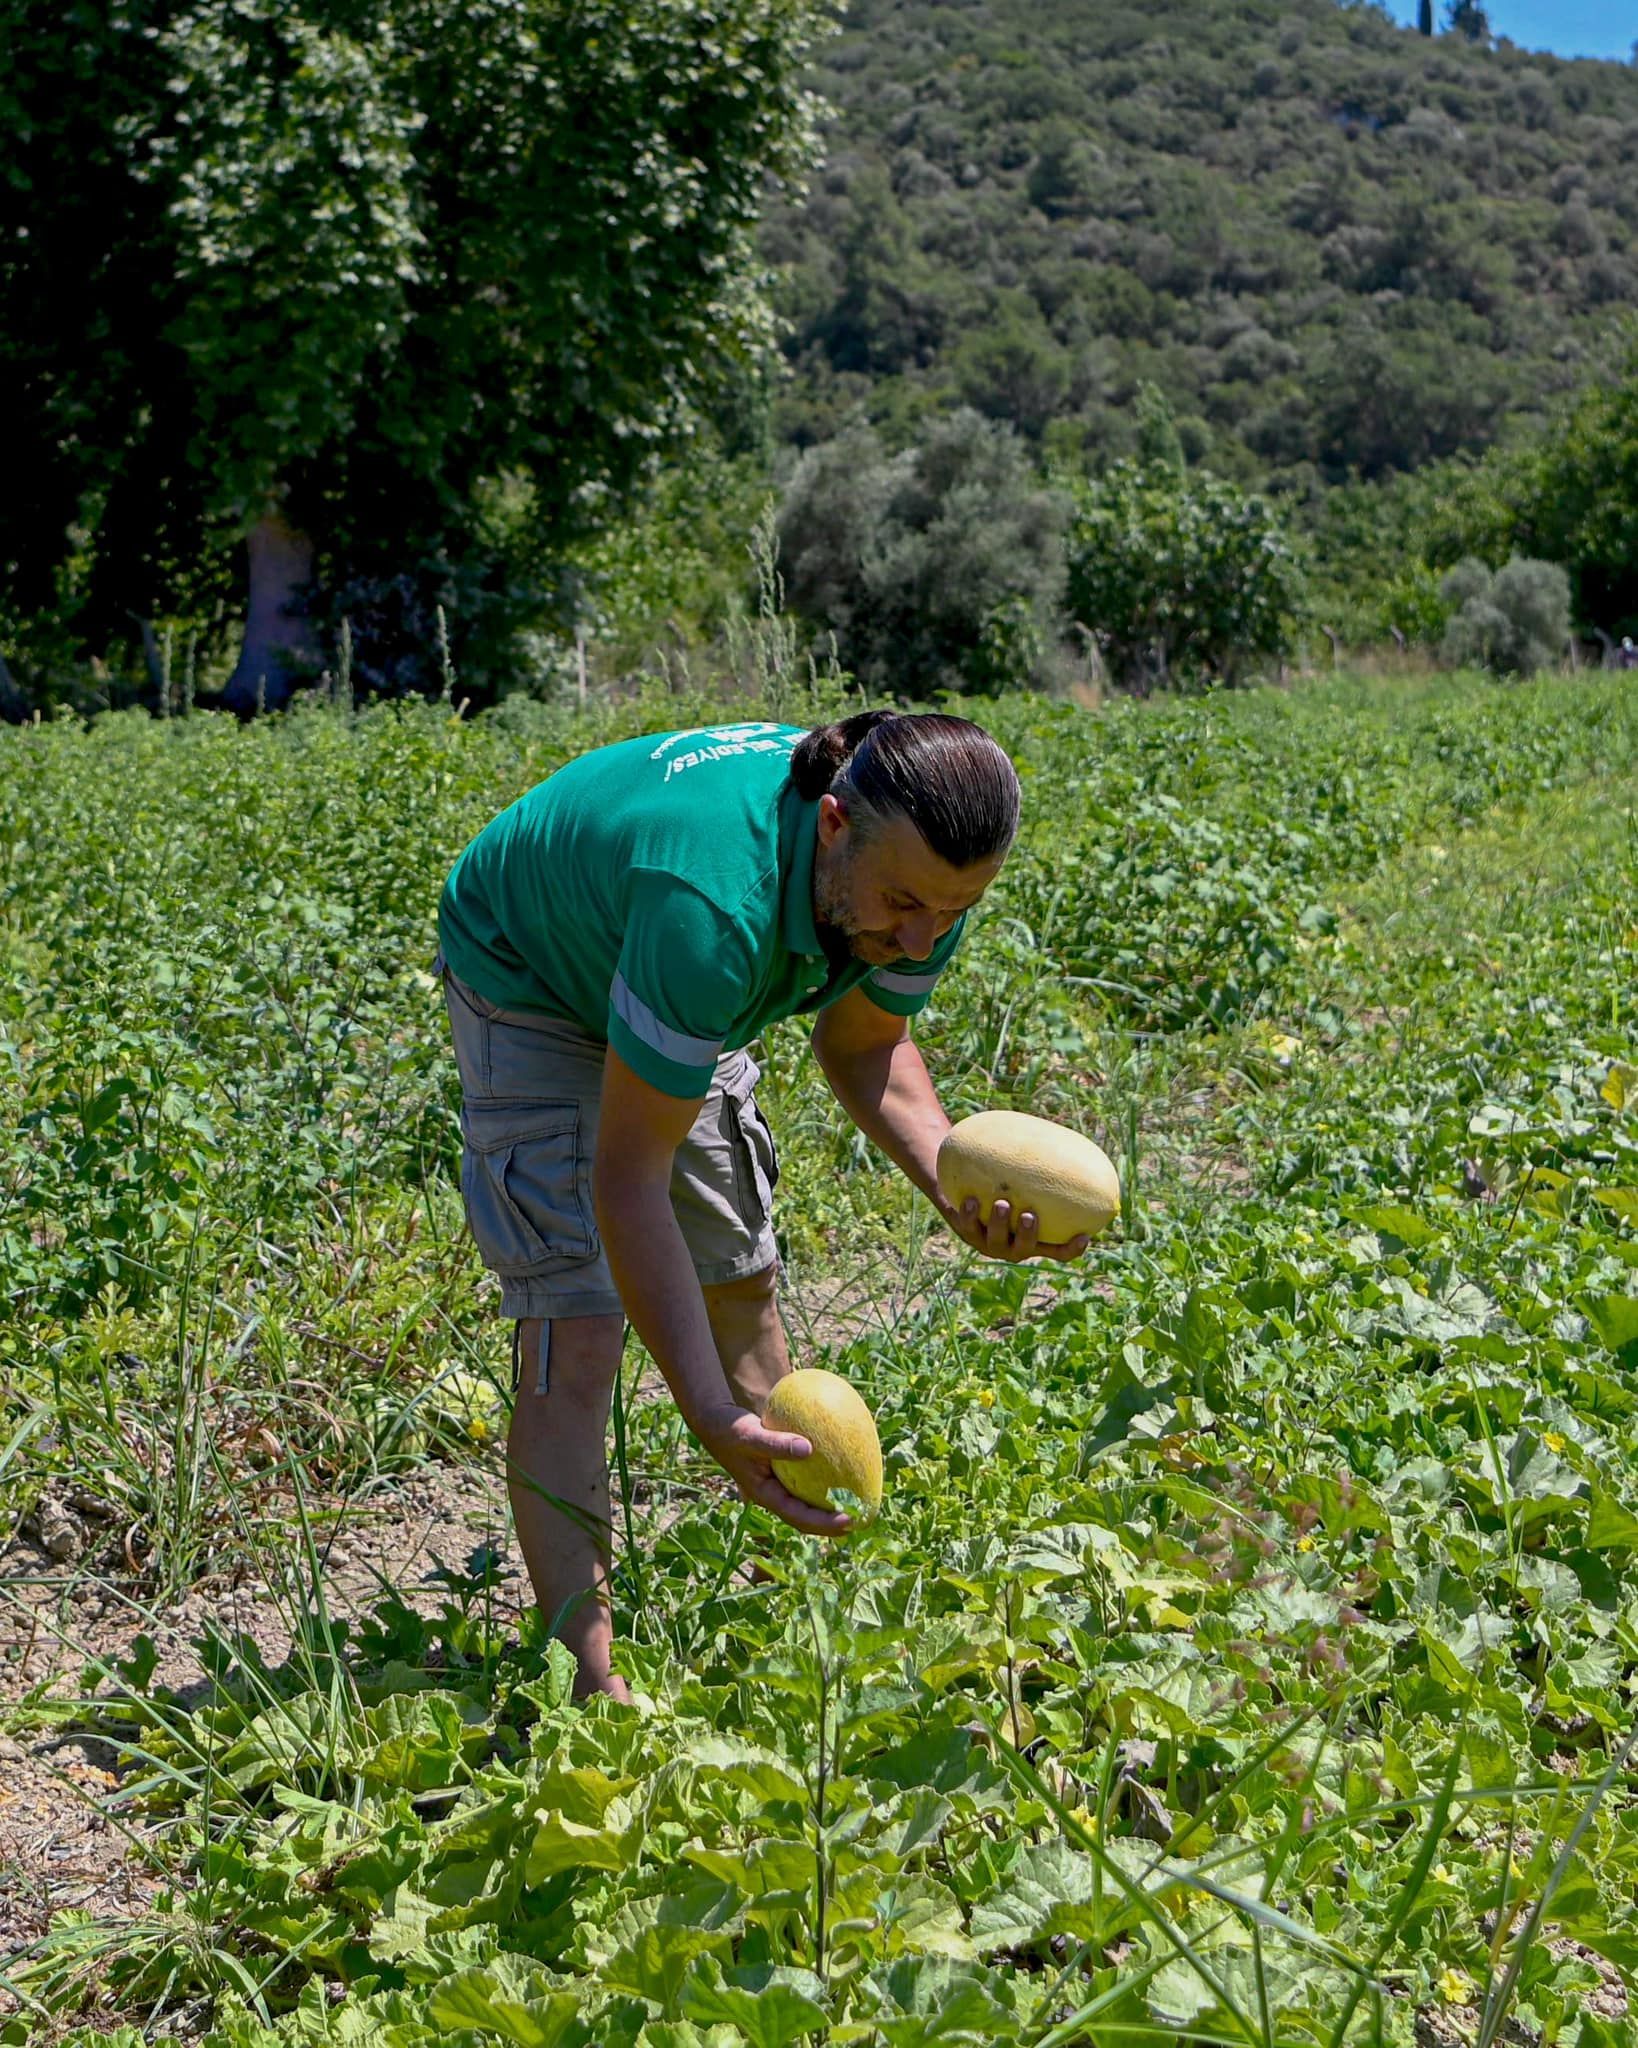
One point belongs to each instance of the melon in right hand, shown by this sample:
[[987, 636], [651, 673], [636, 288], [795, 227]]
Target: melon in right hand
[[1069, 1184]]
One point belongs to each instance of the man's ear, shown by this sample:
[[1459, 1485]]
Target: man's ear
[[833, 821]]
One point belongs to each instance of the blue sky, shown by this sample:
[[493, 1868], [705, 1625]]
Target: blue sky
[[1569, 28]]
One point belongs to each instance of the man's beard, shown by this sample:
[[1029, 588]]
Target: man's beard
[[839, 930]]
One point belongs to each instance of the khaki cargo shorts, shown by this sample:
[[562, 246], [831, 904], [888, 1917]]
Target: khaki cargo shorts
[[530, 1086]]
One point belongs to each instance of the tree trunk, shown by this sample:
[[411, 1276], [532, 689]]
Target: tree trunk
[[13, 704], [280, 647]]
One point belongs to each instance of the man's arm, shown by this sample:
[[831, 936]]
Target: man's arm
[[877, 1074], [639, 1130], [879, 1077]]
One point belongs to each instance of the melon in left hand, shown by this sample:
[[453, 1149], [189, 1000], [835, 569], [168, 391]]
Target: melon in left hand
[[830, 1413]]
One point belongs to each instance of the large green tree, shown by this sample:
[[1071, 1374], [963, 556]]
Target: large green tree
[[389, 301]]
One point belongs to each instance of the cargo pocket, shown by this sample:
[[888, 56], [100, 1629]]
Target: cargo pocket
[[756, 1163], [527, 1185]]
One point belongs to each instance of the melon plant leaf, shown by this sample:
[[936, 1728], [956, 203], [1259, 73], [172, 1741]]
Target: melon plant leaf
[[924, 1918], [945, 1759], [772, 1868], [1049, 1881], [759, 1771], [1393, 1220], [769, 2016], [562, 1844], [401, 1927], [1127, 1402], [555, 1686], [659, 1962], [918, 1823], [504, 1999], [1610, 1526], [417, 1742], [1620, 1084], [684, 2034], [1615, 1318], [940, 2001]]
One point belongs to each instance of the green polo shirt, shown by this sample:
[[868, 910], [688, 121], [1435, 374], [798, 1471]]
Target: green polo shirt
[[659, 892]]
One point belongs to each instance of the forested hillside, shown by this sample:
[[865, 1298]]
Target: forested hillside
[[1338, 246]]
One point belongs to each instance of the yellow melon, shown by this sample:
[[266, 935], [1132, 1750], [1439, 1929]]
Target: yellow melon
[[824, 1408], [1065, 1180]]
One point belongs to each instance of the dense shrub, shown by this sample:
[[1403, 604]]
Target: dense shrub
[[1514, 621], [1181, 578], [936, 569]]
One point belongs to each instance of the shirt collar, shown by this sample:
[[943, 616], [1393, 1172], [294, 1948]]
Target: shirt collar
[[799, 840]]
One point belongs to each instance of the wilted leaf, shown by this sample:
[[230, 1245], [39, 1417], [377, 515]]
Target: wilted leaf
[[1620, 1084]]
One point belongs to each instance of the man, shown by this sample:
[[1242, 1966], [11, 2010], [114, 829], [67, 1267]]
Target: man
[[610, 945]]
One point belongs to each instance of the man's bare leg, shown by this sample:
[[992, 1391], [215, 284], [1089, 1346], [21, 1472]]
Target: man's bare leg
[[557, 1450], [750, 1337]]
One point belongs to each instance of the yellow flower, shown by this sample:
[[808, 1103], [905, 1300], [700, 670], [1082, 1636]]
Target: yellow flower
[[1305, 1542], [1553, 1440], [986, 1398], [1455, 1987], [1443, 1874]]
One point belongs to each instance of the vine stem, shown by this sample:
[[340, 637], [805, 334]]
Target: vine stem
[[821, 1885]]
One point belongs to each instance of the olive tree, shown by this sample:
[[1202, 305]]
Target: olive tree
[[1513, 621], [385, 303], [935, 569]]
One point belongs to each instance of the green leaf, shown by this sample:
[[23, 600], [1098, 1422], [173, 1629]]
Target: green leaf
[[562, 1844], [1396, 1221], [659, 1961], [769, 2015], [684, 2034], [1609, 1526], [504, 1998], [762, 1772], [417, 1742], [554, 1688], [1049, 1883], [938, 2001], [921, 1917], [1622, 1202], [917, 1824], [773, 1868], [1615, 1318]]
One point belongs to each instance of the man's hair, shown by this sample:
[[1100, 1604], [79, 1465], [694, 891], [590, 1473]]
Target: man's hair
[[946, 775]]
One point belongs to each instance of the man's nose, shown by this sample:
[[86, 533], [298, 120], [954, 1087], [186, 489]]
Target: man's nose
[[915, 937]]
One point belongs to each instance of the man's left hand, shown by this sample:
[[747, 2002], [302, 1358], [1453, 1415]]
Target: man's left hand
[[1006, 1236]]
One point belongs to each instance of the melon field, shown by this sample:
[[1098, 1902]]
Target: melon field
[[1247, 1649]]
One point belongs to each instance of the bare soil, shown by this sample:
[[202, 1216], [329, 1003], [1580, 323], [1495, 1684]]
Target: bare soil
[[60, 1844]]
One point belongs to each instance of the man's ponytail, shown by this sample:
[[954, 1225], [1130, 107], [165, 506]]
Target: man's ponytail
[[821, 755]]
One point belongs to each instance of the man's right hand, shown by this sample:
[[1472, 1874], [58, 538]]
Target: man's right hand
[[746, 1451]]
